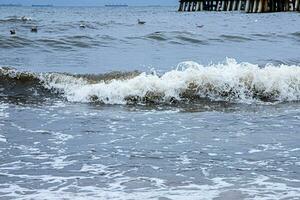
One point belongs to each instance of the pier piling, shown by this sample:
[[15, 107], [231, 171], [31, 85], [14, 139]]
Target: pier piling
[[248, 6]]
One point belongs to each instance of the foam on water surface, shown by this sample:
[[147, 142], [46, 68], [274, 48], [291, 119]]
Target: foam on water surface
[[149, 155], [3, 116], [191, 82], [230, 81], [220, 188]]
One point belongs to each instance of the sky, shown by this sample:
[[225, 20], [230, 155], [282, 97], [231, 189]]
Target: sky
[[91, 2]]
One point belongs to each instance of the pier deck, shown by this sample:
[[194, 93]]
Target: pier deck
[[249, 6]]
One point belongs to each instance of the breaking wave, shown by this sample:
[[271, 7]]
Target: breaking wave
[[190, 82]]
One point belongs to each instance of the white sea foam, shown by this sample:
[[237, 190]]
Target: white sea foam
[[3, 115], [25, 18], [58, 137], [94, 169], [2, 138], [59, 162], [260, 186], [228, 81]]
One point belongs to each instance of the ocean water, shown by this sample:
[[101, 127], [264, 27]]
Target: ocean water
[[188, 106]]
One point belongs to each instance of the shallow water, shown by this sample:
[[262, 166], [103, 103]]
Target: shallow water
[[178, 121]]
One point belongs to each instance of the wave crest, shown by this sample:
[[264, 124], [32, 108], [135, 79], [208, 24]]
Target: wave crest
[[229, 81]]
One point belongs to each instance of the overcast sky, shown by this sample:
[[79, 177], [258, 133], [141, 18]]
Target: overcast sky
[[91, 2]]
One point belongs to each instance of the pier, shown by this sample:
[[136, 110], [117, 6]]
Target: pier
[[248, 6]]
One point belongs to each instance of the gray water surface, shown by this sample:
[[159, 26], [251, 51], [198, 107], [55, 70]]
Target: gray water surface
[[64, 138], [112, 39]]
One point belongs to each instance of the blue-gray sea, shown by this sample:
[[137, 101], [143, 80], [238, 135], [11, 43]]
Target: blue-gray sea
[[188, 106]]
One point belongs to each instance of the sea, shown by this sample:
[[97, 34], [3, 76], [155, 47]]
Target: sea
[[188, 106]]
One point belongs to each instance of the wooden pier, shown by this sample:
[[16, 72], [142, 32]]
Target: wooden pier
[[248, 6]]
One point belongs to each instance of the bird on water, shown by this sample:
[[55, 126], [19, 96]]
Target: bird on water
[[12, 31], [34, 29], [141, 22]]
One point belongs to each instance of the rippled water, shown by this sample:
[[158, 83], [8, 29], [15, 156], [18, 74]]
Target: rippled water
[[112, 39], [188, 106]]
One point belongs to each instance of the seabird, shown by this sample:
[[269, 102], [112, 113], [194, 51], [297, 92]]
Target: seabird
[[141, 22], [34, 29], [12, 31], [82, 26]]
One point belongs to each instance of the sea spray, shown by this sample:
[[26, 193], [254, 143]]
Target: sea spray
[[229, 81]]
